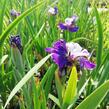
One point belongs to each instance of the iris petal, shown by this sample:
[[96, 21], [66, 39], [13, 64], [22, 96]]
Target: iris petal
[[75, 18], [73, 29], [61, 61], [60, 47], [49, 49], [87, 64], [62, 26], [59, 52], [56, 10]]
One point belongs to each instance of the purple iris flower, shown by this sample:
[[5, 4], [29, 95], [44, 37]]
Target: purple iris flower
[[14, 13], [59, 52], [15, 41], [53, 11], [69, 24], [65, 54]]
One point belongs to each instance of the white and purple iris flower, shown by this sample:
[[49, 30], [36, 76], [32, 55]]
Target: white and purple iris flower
[[69, 24], [66, 54], [53, 11], [14, 13]]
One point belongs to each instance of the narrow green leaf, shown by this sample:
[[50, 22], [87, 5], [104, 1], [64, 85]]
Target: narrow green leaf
[[17, 59], [54, 99], [95, 98], [48, 84], [104, 74], [82, 80], [2, 12], [3, 59], [100, 38], [70, 92], [59, 86], [28, 46], [26, 78], [43, 100], [35, 95], [47, 75]]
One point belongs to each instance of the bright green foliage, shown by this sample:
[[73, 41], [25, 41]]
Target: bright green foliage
[[59, 86], [70, 92], [13, 24], [100, 40], [95, 98], [29, 80], [26, 78]]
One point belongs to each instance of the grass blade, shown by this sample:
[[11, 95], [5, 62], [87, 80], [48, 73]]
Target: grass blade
[[100, 39], [3, 59], [26, 78], [54, 99], [2, 11], [59, 86], [94, 99], [48, 84]]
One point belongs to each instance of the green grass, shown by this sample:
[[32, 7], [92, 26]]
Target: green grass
[[45, 89]]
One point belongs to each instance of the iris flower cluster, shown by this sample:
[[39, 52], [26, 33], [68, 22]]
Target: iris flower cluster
[[69, 23], [66, 54]]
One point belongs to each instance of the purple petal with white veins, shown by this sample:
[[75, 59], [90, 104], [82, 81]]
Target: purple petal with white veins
[[87, 64], [62, 26]]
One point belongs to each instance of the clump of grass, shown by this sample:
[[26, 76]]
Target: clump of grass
[[29, 79]]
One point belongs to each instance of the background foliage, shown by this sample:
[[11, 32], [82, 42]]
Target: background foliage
[[38, 30]]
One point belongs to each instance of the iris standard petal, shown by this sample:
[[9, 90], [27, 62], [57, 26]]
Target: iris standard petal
[[85, 53], [68, 21], [60, 47], [73, 47], [74, 18]]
